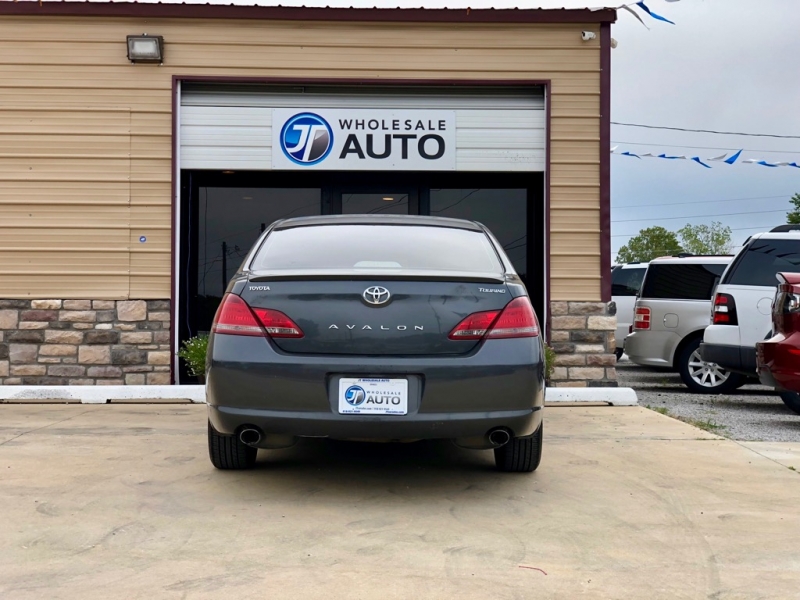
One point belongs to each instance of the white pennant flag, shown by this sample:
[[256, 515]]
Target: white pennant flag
[[635, 14], [721, 157], [614, 149]]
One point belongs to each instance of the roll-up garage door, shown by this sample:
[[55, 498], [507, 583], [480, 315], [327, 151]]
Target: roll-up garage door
[[463, 129]]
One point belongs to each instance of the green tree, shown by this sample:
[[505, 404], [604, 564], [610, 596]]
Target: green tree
[[649, 244], [793, 217], [706, 239]]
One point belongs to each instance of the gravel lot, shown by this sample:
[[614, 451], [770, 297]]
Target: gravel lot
[[754, 413]]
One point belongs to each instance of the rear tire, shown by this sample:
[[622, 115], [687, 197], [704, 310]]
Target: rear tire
[[227, 452], [792, 400], [619, 353], [702, 377], [520, 454]]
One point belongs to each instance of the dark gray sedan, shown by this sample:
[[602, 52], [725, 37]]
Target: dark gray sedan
[[372, 327]]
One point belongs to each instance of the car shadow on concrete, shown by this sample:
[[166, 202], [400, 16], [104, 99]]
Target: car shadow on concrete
[[429, 455]]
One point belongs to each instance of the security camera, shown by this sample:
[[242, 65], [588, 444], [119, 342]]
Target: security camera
[[588, 35]]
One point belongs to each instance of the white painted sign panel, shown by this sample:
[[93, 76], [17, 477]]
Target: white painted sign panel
[[363, 140]]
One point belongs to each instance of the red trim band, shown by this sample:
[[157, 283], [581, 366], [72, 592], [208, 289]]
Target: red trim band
[[605, 162], [287, 13]]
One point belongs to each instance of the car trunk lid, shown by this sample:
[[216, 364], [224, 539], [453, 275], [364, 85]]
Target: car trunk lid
[[337, 316]]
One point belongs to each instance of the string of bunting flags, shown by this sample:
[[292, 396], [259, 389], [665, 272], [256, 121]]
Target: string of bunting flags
[[721, 158], [734, 157], [628, 6]]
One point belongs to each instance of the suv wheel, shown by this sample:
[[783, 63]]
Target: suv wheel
[[703, 377], [792, 400], [227, 452], [520, 454]]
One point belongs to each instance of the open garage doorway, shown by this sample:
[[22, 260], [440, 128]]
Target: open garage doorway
[[223, 213]]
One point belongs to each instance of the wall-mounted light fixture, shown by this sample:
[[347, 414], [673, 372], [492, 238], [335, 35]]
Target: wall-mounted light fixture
[[145, 48]]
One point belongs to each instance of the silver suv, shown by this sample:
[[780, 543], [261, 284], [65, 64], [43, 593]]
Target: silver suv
[[672, 311]]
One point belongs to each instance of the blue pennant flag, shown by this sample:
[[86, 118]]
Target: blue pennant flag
[[631, 154], [765, 163], [698, 161], [795, 165], [733, 158], [671, 157], [652, 14]]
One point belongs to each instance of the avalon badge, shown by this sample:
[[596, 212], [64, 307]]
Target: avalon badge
[[376, 295]]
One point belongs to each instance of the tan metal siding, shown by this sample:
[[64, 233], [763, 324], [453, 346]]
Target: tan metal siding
[[86, 135]]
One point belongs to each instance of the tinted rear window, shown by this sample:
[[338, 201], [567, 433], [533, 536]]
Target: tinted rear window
[[626, 282], [345, 247], [763, 260], [682, 282]]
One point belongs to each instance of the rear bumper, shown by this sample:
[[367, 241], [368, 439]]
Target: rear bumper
[[250, 382], [777, 366], [416, 426], [651, 348], [739, 359]]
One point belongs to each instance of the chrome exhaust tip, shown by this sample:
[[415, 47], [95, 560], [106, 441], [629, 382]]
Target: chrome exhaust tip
[[499, 437], [250, 437]]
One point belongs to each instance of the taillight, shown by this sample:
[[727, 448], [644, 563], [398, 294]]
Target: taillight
[[516, 320], [786, 309], [641, 319], [277, 324], [724, 310], [236, 317], [475, 326]]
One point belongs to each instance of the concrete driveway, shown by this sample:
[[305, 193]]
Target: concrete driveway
[[121, 502]]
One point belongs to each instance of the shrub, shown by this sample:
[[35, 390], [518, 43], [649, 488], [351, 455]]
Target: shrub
[[549, 362], [194, 353]]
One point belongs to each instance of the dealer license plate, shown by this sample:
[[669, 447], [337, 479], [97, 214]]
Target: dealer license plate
[[373, 396]]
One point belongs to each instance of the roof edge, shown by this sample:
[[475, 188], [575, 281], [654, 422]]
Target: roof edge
[[287, 13]]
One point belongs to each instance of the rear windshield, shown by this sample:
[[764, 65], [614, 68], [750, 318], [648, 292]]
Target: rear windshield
[[626, 282], [763, 260], [347, 247], [682, 282]]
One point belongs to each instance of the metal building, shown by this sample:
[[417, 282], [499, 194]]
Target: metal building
[[137, 169]]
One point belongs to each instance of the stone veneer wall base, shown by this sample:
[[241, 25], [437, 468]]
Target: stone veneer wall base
[[85, 342], [582, 335], [127, 342]]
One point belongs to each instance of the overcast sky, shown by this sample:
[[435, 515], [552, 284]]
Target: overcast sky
[[727, 65]]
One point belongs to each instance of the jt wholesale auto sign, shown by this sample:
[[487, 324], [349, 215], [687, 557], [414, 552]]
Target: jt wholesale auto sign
[[363, 140]]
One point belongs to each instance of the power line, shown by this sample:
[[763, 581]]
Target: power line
[[699, 202], [759, 227], [757, 212], [703, 147], [769, 135]]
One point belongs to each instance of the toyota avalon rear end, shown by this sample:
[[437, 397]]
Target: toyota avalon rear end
[[376, 328]]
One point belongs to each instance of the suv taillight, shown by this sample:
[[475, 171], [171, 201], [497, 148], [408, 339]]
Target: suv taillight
[[236, 317], [642, 318], [516, 320], [724, 310]]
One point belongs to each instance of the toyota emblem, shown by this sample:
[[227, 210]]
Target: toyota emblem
[[376, 295]]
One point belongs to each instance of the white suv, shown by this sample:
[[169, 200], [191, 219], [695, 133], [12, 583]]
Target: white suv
[[742, 306], [625, 283]]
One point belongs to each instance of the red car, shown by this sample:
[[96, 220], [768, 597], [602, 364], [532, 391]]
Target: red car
[[779, 356]]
